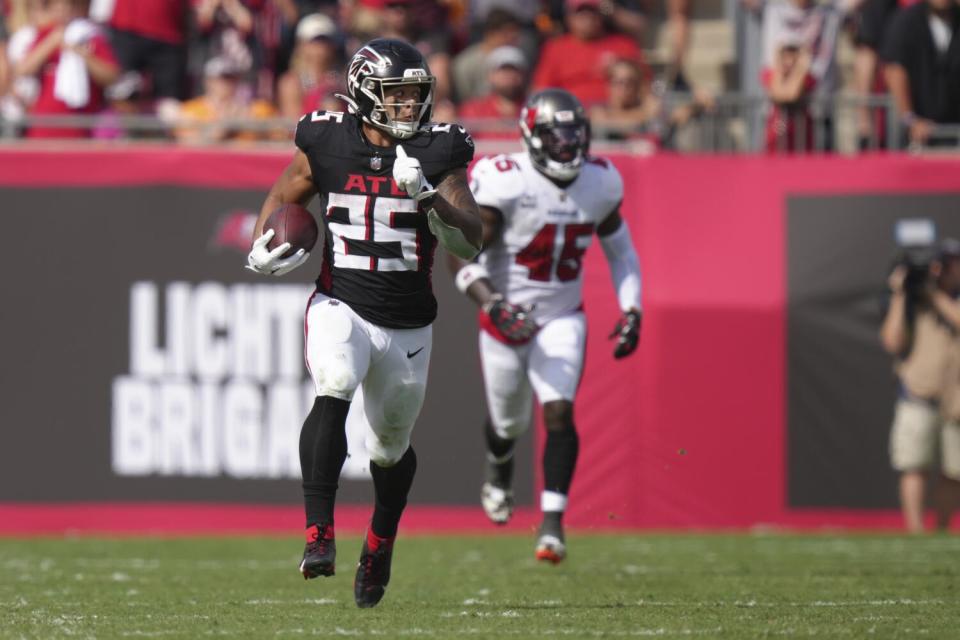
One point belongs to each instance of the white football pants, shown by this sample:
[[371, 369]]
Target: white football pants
[[550, 365], [344, 351]]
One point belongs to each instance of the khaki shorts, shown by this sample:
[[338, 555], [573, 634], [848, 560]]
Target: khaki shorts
[[919, 434], [950, 449]]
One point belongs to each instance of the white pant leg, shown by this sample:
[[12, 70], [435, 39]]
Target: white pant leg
[[509, 396], [337, 347], [394, 389], [556, 358]]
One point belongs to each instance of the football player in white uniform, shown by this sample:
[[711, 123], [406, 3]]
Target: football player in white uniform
[[540, 210]]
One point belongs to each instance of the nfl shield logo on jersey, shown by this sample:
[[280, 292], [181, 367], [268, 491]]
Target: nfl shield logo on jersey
[[376, 162]]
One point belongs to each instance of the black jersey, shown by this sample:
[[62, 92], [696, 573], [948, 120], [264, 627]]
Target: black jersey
[[377, 249]]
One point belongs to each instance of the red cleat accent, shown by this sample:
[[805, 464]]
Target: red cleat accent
[[320, 554]]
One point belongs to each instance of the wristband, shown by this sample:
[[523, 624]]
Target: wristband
[[470, 274]]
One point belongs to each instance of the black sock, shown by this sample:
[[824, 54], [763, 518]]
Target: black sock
[[560, 459], [500, 470], [391, 486], [323, 450]]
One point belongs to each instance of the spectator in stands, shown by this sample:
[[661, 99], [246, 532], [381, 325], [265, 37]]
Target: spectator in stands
[[5, 73], [871, 21], [149, 36], [923, 69], [527, 12], [22, 91], [314, 68], [507, 78], [678, 23], [73, 62], [124, 99], [789, 84], [619, 16], [634, 112], [217, 115], [578, 61], [631, 110], [226, 31], [422, 23], [816, 27], [920, 330], [470, 69], [273, 25]]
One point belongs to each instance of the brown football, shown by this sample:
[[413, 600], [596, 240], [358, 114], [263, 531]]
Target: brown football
[[294, 224]]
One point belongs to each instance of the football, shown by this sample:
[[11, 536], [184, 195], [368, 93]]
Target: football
[[294, 224]]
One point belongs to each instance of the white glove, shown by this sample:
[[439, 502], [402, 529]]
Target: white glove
[[408, 174], [269, 263]]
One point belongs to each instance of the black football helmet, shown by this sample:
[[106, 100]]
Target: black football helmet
[[377, 67], [556, 133]]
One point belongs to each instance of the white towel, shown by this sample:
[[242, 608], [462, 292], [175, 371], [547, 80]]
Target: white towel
[[72, 84]]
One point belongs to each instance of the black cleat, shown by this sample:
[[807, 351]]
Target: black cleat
[[373, 573], [320, 553]]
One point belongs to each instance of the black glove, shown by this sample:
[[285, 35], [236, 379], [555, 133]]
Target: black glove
[[512, 321], [627, 333]]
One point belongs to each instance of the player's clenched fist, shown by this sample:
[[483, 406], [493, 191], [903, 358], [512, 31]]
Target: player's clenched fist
[[408, 174], [512, 321], [269, 263]]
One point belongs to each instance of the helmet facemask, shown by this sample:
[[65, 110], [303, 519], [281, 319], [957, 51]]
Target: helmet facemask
[[387, 116], [559, 150], [563, 147]]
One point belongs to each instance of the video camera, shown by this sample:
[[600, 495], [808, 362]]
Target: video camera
[[917, 249]]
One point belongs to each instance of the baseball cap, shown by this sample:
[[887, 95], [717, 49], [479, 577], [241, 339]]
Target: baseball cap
[[574, 5], [316, 25], [507, 56]]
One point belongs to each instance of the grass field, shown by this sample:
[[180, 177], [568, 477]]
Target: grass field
[[616, 586]]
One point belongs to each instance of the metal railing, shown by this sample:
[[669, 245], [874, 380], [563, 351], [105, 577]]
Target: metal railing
[[734, 124]]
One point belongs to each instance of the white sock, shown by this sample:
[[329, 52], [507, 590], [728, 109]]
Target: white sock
[[553, 501]]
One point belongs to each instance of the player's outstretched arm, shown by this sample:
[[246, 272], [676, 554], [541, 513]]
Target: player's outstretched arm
[[625, 270], [512, 321], [471, 278]]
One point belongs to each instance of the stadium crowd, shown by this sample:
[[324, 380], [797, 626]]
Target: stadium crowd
[[215, 70]]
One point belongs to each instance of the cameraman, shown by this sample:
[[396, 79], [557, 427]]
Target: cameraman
[[921, 330]]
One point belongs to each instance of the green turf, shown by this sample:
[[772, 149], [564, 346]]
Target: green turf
[[665, 586]]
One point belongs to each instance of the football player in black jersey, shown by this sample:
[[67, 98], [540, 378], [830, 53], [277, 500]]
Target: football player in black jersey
[[369, 322]]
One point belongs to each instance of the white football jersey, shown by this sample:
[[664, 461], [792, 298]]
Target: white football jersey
[[546, 229]]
